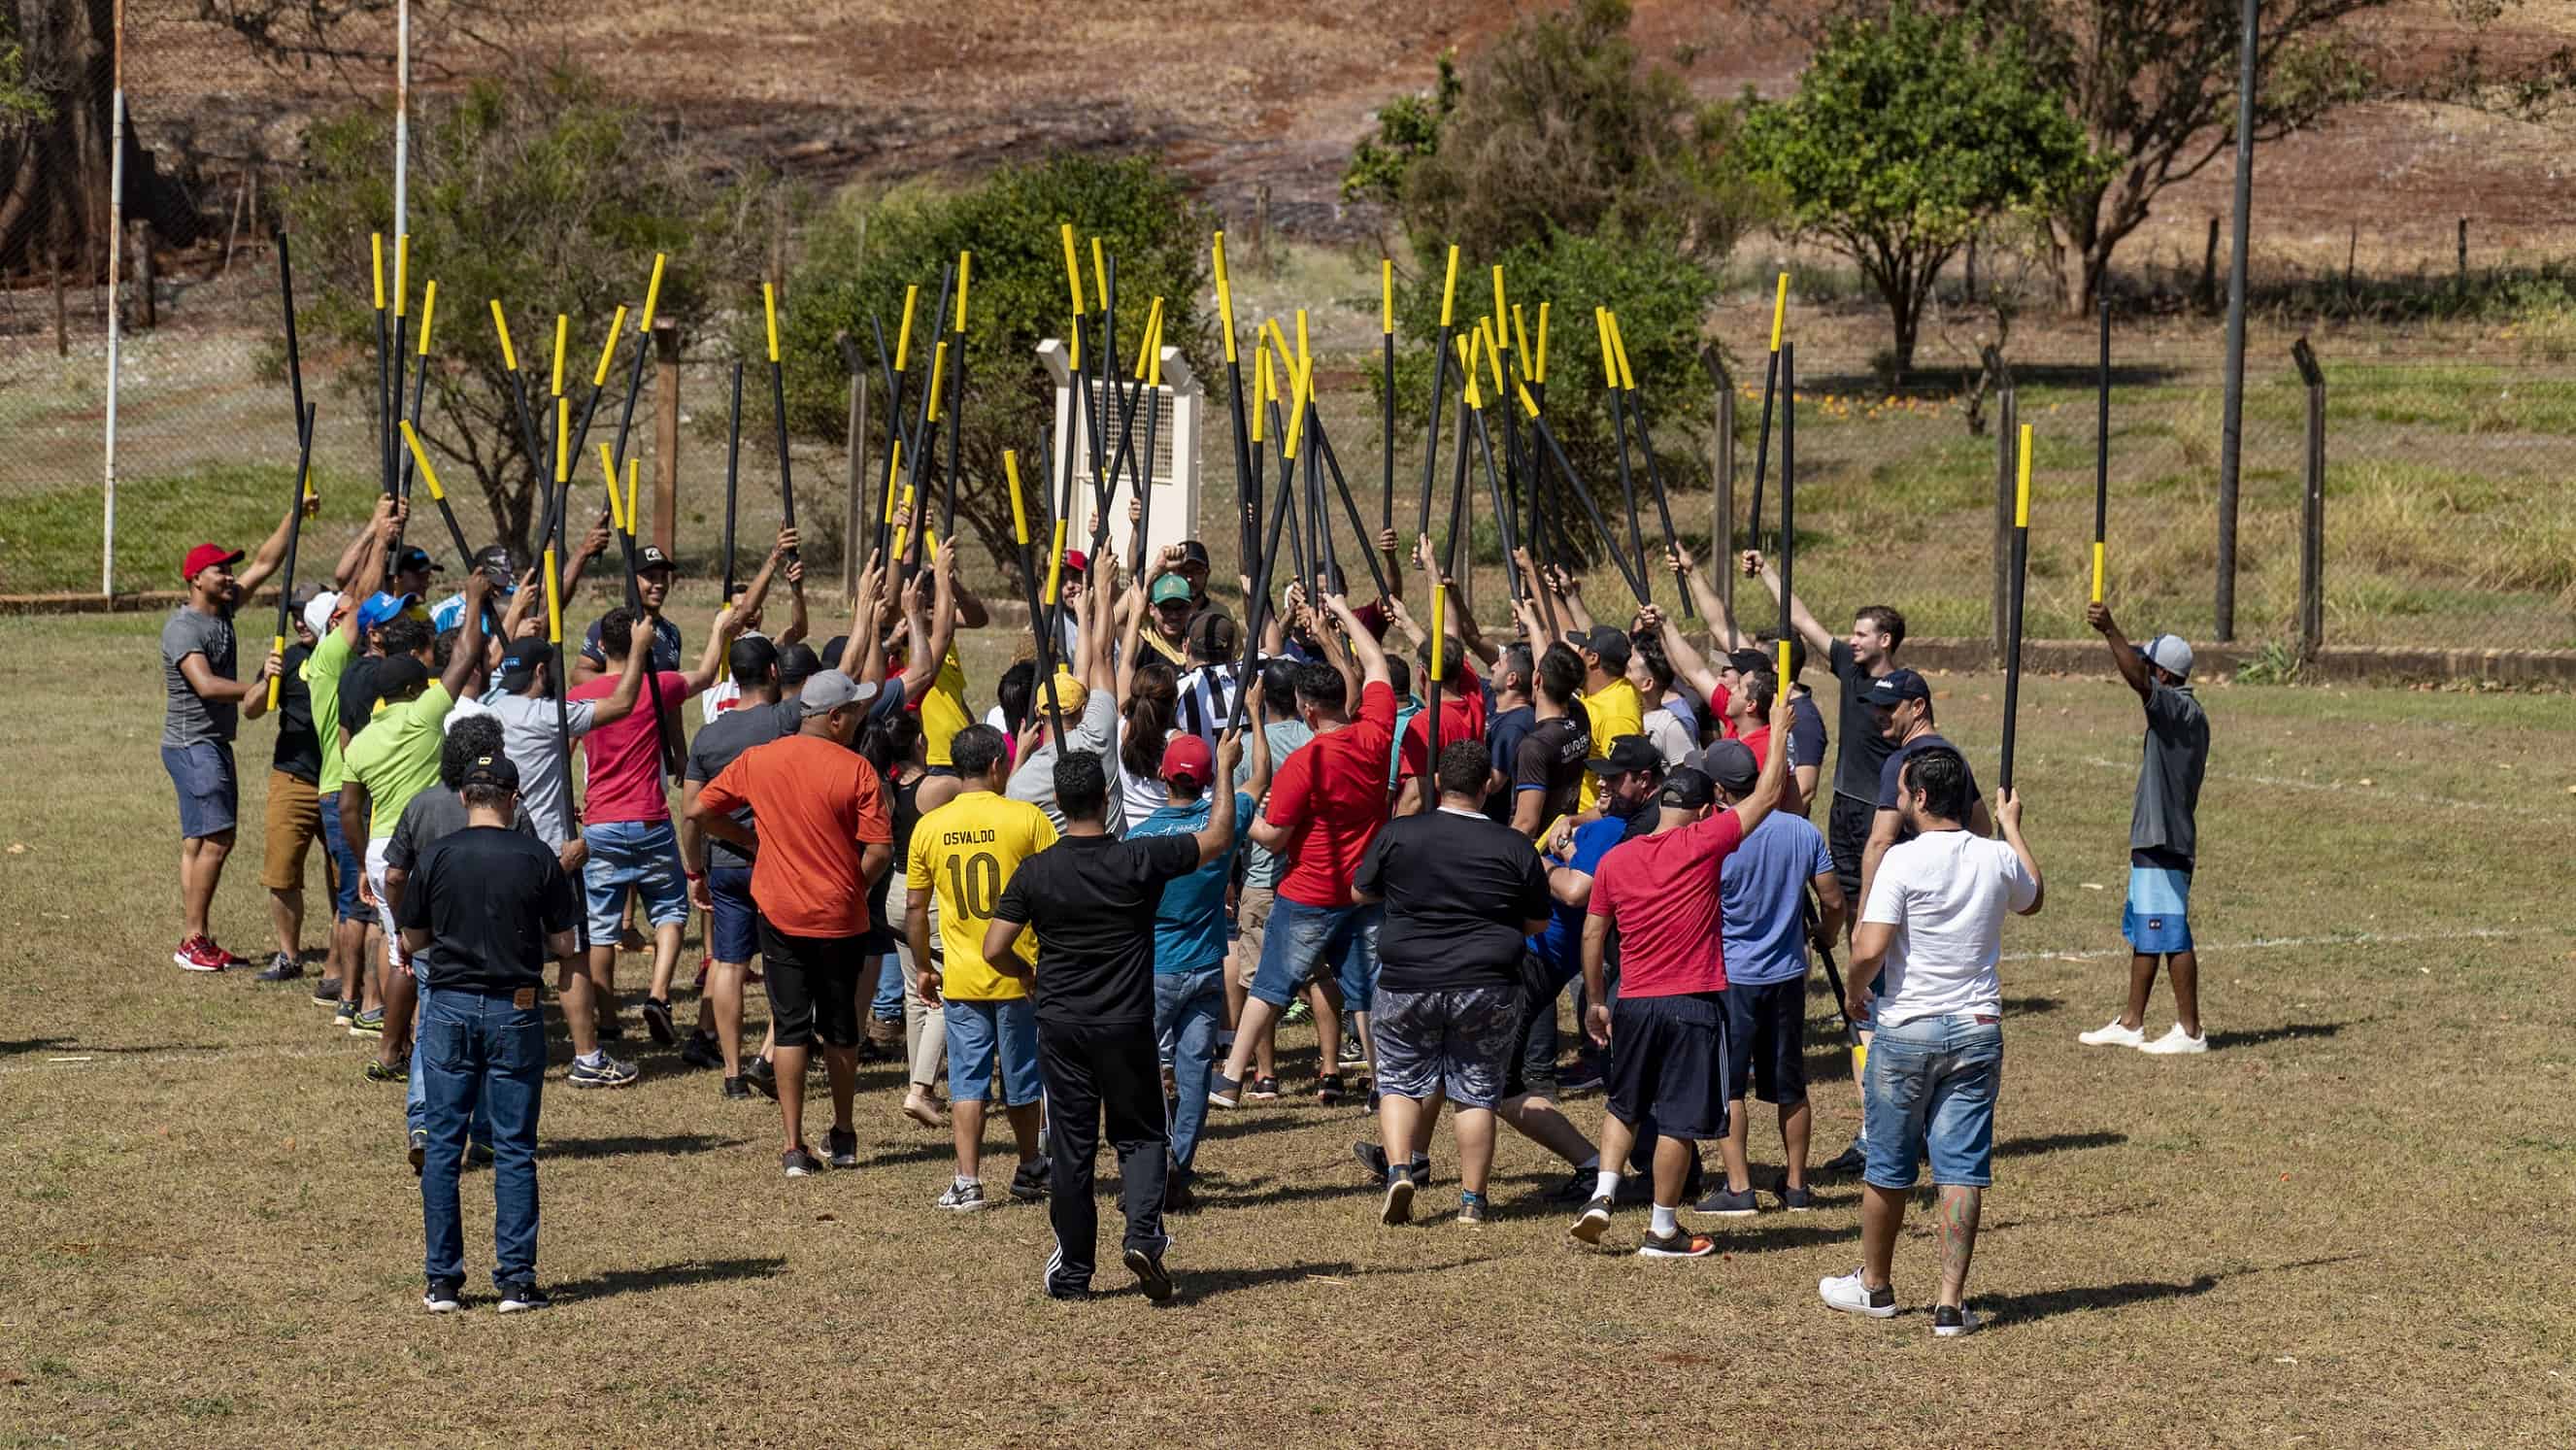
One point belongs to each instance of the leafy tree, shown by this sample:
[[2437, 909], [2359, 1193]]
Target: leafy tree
[[1905, 139], [1408, 129], [859, 258], [545, 193]]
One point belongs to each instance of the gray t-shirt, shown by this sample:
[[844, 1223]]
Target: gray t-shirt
[[528, 738], [2177, 751], [1033, 780], [432, 816], [717, 746], [192, 717], [1261, 866]]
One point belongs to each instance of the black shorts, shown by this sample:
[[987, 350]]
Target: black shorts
[[1847, 837], [1668, 1064], [1531, 1066], [813, 986], [1766, 1028]]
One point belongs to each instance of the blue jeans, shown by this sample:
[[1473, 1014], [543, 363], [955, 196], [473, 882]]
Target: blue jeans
[[1929, 1091], [888, 1005], [348, 867], [1300, 936], [480, 1051], [416, 1095], [1189, 1011]]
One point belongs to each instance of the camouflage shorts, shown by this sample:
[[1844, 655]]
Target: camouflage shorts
[[1452, 1043]]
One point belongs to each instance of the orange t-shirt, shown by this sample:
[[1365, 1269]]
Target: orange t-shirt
[[816, 806]]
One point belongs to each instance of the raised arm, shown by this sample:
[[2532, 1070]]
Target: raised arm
[[1768, 786], [353, 565], [465, 662], [1569, 597], [1721, 621], [2124, 656], [757, 592], [1216, 840], [711, 661], [1818, 638], [1372, 660], [272, 553], [2008, 815], [1686, 662], [593, 544], [630, 682]]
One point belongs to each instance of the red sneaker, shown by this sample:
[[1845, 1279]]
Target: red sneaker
[[227, 958], [197, 954]]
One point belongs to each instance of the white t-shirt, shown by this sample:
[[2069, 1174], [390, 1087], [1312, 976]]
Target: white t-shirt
[[1669, 735], [1946, 893]]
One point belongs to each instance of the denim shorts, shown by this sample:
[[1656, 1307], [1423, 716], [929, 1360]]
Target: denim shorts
[[347, 868], [1456, 1043], [1298, 937], [981, 1032], [209, 791], [1929, 1091], [640, 855], [733, 928]]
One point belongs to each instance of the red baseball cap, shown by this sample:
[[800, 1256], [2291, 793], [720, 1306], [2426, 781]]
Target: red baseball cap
[[204, 557], [1186, 761], [1076, 561]]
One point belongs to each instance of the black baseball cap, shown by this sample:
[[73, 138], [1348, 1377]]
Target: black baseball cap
[[1751, 659], [492, 770], [1212, 635], [400, 677], [1687, 790], [1894, 686], [652, 557], [1628, 755], [1731, 764], [415, 559], [1609, 642]]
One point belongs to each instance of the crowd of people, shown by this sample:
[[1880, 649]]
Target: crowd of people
[[1100, 900]]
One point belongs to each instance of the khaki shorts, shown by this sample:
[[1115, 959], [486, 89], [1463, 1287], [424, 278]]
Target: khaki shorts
[[1251, 918], [294, 820]]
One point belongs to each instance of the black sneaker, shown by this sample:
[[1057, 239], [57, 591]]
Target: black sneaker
[[1350, 1055], [700, 1051], [1949, 1321], [1797, 1200], [762, 1074], [1576, 1189], [799, 1163], [519, 1298], [1178, 1196], [657, 1020], [1150, 1274], [281, 968], [1725, 1202], [1328, 1090], [326, 993], [842, 1146], [1583, 1077], [1589, 1224], [736, 1090], [1223, 1091], [1398, 1208], [1675, 1245], [378, 1070], [444, 1296], [1372, 1161], [1029, 1183], [611, 1029], [1851, 1160]]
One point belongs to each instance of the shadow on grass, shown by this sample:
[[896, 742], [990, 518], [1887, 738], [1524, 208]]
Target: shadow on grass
[[2032, 1006], [2040, 1304], [670, 1276], [636, 1145], [1197, 1285], [11, 1047], [2057, 1143], [2288, 1032]]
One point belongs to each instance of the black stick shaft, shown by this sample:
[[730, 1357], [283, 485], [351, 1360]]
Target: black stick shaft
[[1627, 478], [1663, 503], [2012, 656], [1386, 441], [1256, 609], [1762, 447], [733, 474], [1350, 506], [1591, 508], [956, 407], [1788, 486], [1431, 434], [2102, 432], [1502, 504], [883, 518], [294, 512], [294, 354]]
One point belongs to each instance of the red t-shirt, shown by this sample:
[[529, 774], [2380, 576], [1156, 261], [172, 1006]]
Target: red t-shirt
[[1661, 893], [1332, 794], [1717, 701], [817, 806], [1757, 741], [1462, 717], [622, 759]]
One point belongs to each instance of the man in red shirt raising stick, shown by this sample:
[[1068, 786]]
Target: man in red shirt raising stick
[[1667, 1031], [1326, 805], [821, 836]]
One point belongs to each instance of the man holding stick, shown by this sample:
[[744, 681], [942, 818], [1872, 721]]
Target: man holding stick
[[2163, 840], [198, 651]]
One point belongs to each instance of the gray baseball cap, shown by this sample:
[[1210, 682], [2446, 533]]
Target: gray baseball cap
[[829, 690]]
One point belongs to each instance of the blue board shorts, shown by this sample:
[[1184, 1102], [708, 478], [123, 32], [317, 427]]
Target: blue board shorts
[[2157, 917]]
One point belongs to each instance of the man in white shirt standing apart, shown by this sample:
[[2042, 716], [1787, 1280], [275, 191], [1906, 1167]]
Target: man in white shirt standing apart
[[1934, 924]]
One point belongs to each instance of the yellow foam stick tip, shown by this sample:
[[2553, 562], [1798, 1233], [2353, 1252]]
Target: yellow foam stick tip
[[1860, 1058], [2021, 481], [1019, 510], [2097, 571], [938, 372], [1055, 566], [616, 504], [563, 339], [1538, 364], [376, 243], [1619, 345], [1520, 336], [563, 439], [1073, 267], [1439, 598], [1500, 311], [1145, 349], [554, 601], [608, 349], [1302, 394], [310, 493], [1779, 310], [1386, 294], [501, 326], [965, 264], [1100, 273], [402, 271], [894, 470], [1263, 390], [420, 458], [428, 312], [1154, 349], [1784, 665], [634, 494], [1224, 296], [652, 293], [769, 311], [1279, 340], [1492, 333], [1449, 289], [1609, 359], [1529, 404], [903, 335], [1465, 343]]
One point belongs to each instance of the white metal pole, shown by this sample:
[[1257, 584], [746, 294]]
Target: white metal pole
[[402, 114], [115, 300]]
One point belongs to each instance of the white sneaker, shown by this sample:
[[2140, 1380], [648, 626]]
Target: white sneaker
[[2176, 1040], [2113, 1035], [1846, 1293]]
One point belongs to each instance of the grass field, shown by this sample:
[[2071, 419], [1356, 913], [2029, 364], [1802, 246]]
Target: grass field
[[2345, 1226]]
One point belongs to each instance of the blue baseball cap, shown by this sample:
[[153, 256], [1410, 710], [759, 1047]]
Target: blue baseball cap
[[382, 607]]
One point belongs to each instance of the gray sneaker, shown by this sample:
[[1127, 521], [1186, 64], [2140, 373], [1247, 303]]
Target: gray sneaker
[[608, 1072], [961, 1197]]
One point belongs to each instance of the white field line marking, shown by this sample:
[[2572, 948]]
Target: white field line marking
[[2274, 943], [2282, 782]]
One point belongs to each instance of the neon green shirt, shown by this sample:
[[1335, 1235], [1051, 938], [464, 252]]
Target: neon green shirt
[[396, 756]]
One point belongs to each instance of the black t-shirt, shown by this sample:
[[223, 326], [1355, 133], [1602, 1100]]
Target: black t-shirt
[[1460, 893], [358, 693], [1892, 773], [299, 750], [1093, 899], [1551, 759], [1503, 736], [735, 731], [488, 897], [666, 646], [1864, 749]]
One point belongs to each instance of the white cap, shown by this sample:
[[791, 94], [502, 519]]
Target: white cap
[[317, 613], [2167, 652]]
